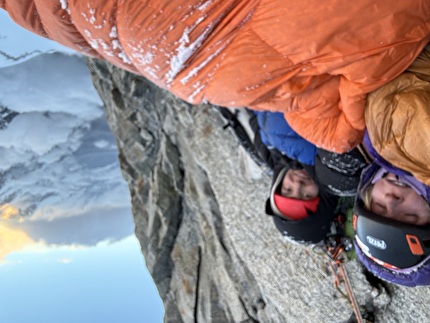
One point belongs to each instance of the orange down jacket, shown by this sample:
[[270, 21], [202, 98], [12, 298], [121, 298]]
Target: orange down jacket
[[313, 60]]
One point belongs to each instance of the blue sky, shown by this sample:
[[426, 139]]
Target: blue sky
[[104, 283], [74, 260]]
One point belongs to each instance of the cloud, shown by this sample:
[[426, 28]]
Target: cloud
[[86, 229], [74, 233], [8, 211], [12, 239]]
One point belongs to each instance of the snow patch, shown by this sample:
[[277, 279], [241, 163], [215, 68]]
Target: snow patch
[[151, 72], [143, 58], [195, 70], [204, 5], [116, 44], [96, 43], [113, 32], [64, 4], [101, 144], [186, 50], [124, 57], [197, 91], [92, 19]]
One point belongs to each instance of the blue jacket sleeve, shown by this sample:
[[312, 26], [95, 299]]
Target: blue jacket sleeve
[[276, 133]]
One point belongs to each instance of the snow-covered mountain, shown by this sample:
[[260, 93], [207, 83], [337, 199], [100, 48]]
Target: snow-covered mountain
[[58, 156], [66, 229]]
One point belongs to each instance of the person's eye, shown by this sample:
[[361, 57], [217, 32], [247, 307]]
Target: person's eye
[[286, 192]]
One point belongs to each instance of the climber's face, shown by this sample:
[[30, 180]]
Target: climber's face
[[394, 199], [299, 185]]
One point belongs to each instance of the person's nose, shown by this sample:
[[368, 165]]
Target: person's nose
[[392, 202], [299, 187], [393, 196], [297, 190], [303, 191]]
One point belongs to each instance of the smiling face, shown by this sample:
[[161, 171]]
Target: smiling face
[[299, 185], [394, 199]]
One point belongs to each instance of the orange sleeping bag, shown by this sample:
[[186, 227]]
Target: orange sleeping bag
[[315, 61]]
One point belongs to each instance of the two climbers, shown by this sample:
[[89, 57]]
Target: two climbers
[[392, 212], [316, 70]]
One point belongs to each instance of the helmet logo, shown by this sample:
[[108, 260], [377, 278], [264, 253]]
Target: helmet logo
[[377, 243]]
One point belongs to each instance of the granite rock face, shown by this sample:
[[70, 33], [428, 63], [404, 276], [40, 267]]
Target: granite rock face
[[198, 202]]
